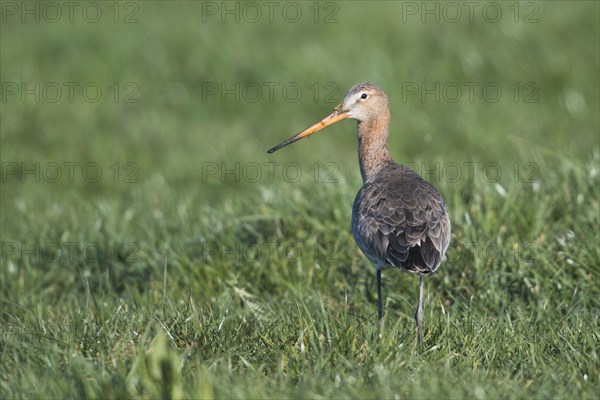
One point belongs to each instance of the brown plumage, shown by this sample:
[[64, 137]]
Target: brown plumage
[[398, 218]]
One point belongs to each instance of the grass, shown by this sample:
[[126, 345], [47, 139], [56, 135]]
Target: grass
[[164, 279]]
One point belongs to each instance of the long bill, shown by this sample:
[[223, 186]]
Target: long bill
[[335, 116]]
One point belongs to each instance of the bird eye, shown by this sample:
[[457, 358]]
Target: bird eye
[[363, 96]]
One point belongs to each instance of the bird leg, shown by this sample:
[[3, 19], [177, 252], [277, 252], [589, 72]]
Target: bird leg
[[379, 305], [419, 312]]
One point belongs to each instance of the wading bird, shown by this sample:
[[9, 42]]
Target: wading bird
[[399, 220]]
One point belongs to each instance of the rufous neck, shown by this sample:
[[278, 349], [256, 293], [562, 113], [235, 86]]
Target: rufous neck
[[373, 150]]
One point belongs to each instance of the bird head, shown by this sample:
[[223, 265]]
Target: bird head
[[363, 102]]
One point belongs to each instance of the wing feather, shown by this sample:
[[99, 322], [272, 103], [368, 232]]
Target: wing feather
[[400, 220]]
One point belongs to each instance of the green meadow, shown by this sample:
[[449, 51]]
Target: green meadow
[[151, 248]]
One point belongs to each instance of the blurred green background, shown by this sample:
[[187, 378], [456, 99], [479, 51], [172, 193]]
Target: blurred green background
[[186, 96], [175, 55]]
